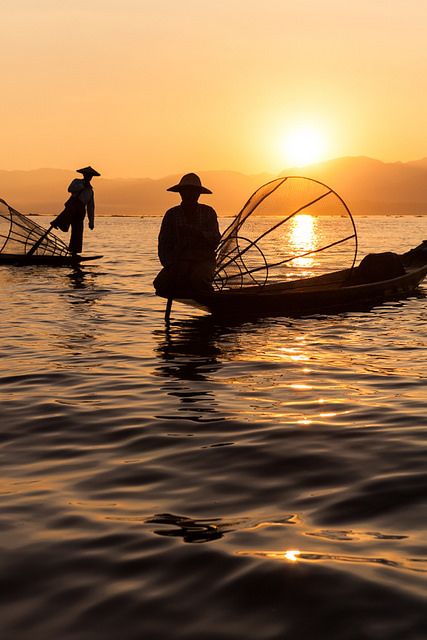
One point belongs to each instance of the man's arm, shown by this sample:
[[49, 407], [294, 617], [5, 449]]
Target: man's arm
[[90, 208], [211, 231], [165, 243]]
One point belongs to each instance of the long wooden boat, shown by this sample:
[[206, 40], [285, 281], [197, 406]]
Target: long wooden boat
[[252, 258], [334, 292], [68, 260], [24, 242]]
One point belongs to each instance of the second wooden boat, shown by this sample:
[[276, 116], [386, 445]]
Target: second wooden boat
[[24, 242]]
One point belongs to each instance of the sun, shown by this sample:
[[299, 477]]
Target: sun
[[303, 145]]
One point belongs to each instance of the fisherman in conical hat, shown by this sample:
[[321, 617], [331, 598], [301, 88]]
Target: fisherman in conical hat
[[188, 237], [80, 203]]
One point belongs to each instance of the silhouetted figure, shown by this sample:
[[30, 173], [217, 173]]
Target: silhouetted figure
[[188, 237], [78, 204]]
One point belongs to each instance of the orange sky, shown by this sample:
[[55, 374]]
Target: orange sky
[[146, 88]]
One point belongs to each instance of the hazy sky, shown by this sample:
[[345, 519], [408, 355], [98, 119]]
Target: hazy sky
[[146, 88]]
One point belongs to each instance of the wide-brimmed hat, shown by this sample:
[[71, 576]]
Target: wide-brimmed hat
[[192, 181], [89, 171]]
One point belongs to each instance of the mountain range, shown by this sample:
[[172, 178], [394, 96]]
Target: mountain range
[[368, 186]]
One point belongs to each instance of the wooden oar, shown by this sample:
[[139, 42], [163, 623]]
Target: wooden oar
[[168, 309], [38, 242]]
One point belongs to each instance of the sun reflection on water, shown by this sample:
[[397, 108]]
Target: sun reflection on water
[[303, 239]]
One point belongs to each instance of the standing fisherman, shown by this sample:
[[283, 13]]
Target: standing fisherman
[[80, 202]]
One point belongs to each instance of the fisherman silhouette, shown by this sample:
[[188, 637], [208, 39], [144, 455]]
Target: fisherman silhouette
[[78, 204], [188, 237]]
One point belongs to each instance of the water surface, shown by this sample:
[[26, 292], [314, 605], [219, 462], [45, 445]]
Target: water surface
[[259, 480]]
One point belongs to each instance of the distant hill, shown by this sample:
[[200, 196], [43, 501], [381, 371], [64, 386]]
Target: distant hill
[[43, 191], [373, 187], [368, 186]]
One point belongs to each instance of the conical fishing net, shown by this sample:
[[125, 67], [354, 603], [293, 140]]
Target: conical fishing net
[[290, 228], [19, 235]]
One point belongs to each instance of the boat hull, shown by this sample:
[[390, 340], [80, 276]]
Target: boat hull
[[297, 303], [332, 293], [46, 260]]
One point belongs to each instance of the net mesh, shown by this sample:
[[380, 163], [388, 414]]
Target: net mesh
[[290, 228], [19, 234]]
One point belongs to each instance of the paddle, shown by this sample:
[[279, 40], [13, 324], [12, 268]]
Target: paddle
[[38, 242], [168, 309]]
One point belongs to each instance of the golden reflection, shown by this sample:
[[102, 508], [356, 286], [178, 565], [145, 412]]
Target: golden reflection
[[292, 555], [292, 354], [303, 238]]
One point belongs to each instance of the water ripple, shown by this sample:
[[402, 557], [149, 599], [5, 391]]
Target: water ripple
[[204, 480]]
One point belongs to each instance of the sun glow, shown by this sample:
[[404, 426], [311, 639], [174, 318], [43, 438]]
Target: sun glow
[[302, 146]]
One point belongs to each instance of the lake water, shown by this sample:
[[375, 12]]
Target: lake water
[[263, 480]]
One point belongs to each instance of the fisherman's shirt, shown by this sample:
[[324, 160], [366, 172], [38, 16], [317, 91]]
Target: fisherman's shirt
[[188, 235], [84, 192]]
